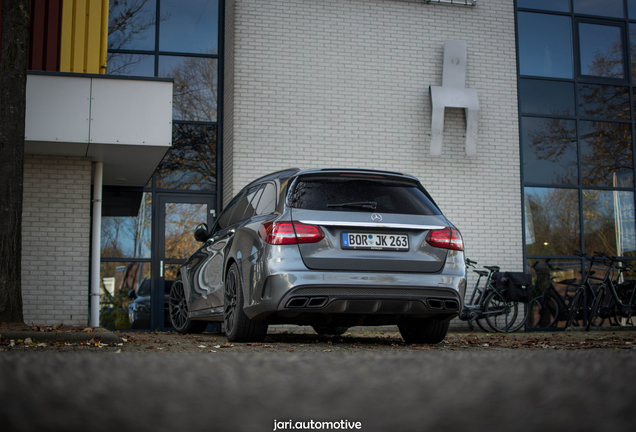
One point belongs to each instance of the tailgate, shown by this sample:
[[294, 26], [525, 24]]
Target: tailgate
[[365, 241]]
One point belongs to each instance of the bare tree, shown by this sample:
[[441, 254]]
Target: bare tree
[[14, 48]]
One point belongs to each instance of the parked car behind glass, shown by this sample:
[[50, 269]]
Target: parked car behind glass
[[139, 308], [330, 248]]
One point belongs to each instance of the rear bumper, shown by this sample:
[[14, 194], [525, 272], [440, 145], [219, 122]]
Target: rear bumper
[[295, 298], [412, 301]]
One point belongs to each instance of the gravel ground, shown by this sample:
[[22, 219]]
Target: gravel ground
[[308, 341]]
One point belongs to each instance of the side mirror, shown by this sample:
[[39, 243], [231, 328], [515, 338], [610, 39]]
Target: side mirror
[[132, 294], [201, 233]]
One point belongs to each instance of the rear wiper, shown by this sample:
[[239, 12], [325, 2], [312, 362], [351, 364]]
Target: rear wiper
[[364, 204]]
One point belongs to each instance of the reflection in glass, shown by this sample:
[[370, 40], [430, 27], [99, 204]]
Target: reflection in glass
[[191, 161], [130, 64], [117, 279], [181, 219], [562, 274], [545, 45], [608, 8], [553, 215], [601, 49], [546, 97], [603, 101], [549, 5], [195, 86], [549, 150], [170, 272], [606, 152], [631, 9], [190, 26], [608, 222], [131, 24], [126, 236]]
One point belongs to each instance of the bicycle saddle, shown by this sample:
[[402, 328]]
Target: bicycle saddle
[[481, 272], [493, 268]]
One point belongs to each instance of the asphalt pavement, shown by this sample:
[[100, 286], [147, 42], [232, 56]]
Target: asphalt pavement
[[503, 390]]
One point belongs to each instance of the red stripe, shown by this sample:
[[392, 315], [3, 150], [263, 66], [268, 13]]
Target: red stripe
[[36, 42], [52, 51]]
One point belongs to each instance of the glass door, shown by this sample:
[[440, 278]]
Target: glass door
[[177, 217]]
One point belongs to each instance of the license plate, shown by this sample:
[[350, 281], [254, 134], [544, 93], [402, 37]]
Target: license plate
[[398, 242]]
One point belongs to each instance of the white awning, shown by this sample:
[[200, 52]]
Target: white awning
[[124, 123]]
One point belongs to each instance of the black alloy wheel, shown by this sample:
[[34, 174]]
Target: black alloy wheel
[[238, 327], [229, 304], [178, 309]]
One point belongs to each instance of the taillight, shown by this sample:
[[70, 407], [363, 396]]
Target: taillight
[[446, 238], [279, 233]]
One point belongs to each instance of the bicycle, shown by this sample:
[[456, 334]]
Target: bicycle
[[493, 303], [473, 311], [550, 308], [621, 304]]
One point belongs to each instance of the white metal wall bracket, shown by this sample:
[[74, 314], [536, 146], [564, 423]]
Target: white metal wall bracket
[[454, 94]]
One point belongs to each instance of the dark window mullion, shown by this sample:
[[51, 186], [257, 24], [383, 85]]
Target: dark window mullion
[[157, 29]]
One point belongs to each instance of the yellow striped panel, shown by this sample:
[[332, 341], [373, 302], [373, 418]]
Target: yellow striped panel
[[66, 36], [93, 36], [79, 36], [84, 36]]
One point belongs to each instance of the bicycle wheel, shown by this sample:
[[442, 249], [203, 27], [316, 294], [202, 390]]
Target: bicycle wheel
[[504, 316], [481, 322], [594, 310], [625, 322], [574, 307], [543, 312]]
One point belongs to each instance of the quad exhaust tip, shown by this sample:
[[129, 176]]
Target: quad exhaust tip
[[307, 302], [439, 304]]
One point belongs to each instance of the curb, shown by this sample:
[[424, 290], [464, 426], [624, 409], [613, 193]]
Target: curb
[[106, 336]]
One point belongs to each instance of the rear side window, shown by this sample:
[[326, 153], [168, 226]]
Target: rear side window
[[224, 219], [244, 208], [361, 195], [267, 203]]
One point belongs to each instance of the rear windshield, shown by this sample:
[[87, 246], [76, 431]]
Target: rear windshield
[[361, 195]]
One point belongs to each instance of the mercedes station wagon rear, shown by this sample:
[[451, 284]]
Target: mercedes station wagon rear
[[329, 248]]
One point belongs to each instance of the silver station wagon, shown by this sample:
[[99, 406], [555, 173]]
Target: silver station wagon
[[330, 248]]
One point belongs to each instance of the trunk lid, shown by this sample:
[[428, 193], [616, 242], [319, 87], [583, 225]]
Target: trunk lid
[[370, 223]]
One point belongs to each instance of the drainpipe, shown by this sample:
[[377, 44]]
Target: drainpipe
[[96, 235]]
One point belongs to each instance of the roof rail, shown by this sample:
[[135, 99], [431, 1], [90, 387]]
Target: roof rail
[[274, 174]]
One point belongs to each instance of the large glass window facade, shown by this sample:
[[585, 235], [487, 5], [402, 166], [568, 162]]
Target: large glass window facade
[[577, 89], [144, 243]]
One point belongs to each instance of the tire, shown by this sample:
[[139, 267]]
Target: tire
[[423, 331], [543, 312], [504, 316], [238, 327], [329, 330], [573, 308], [178, 310], [594, 309]]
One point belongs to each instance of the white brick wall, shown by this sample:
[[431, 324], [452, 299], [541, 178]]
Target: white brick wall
[[345, 83], [55, 239]]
